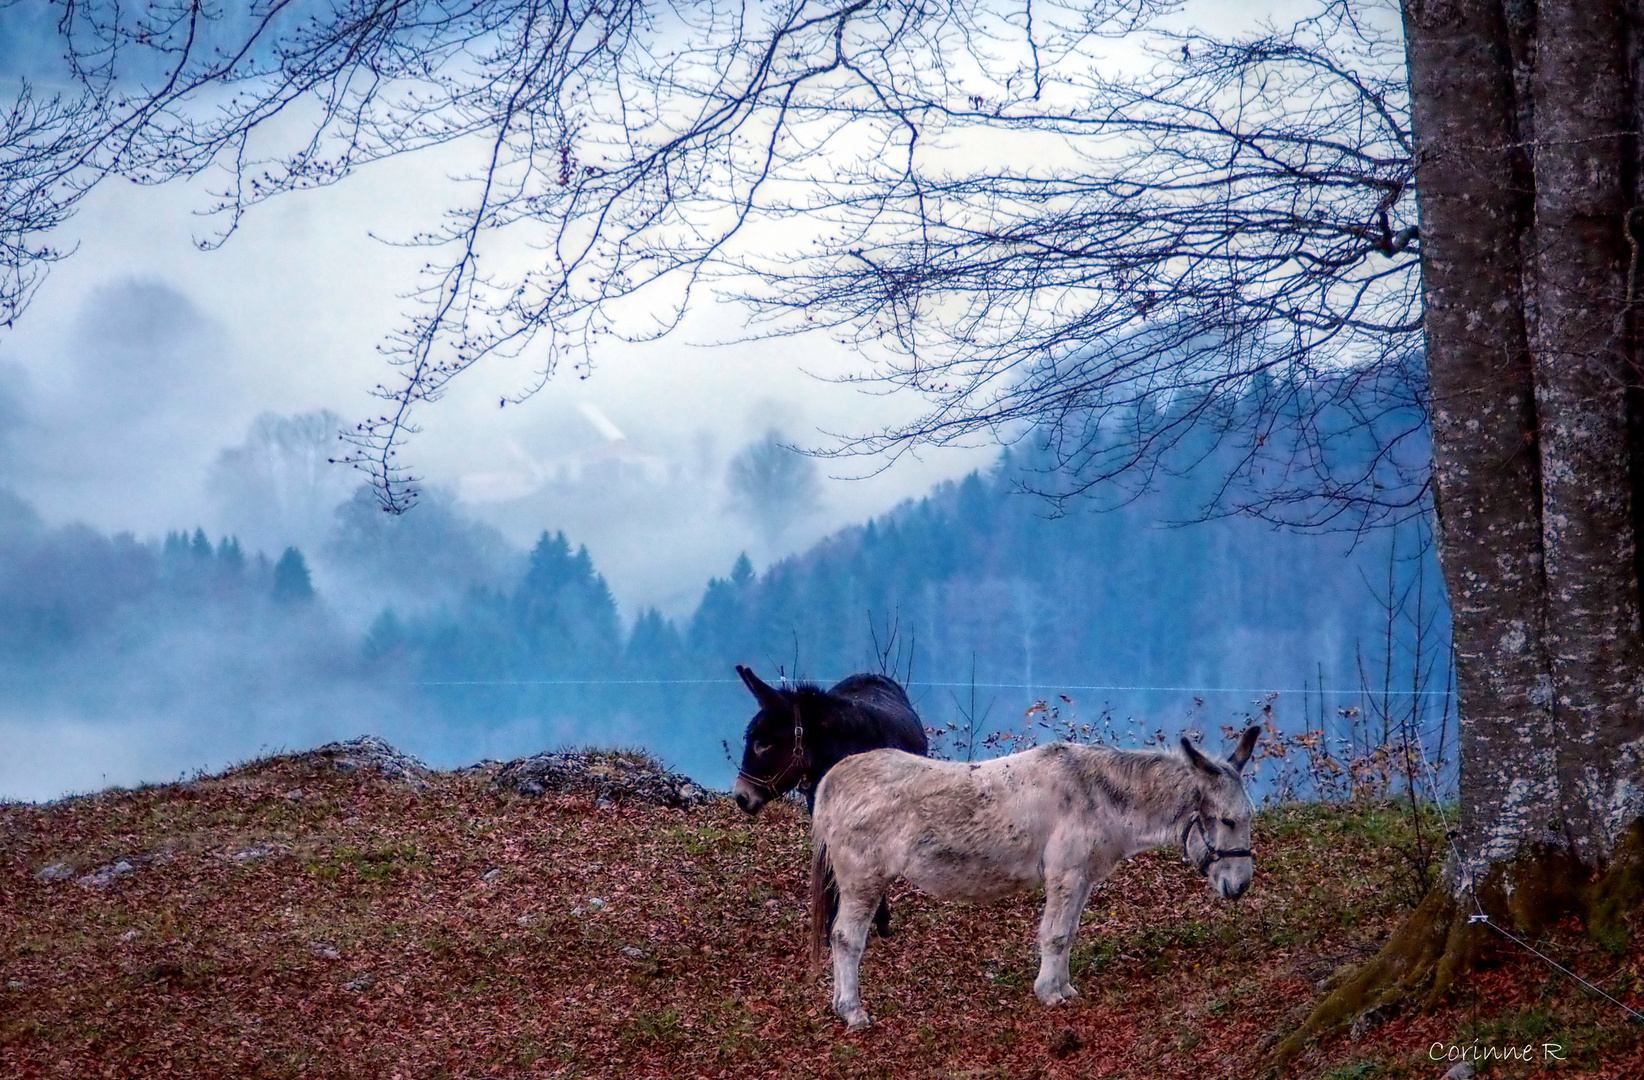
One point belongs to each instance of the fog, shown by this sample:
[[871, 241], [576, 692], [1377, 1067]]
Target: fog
[[141, 641], [154, 400], [305, 614], [168, 411], [154, 390]]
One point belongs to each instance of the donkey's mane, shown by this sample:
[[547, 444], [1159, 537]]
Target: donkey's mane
[[1133, 762], [1151, 778], [844, 718]]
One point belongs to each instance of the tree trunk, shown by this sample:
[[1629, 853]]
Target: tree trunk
[[1582, 372], [1526, 189], [1471, 177], [1528, 273]]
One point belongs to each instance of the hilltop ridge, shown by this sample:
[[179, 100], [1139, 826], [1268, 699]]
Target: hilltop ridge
[[294, 918]]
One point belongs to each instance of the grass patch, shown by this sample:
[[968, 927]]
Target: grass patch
[[375, 864], [662, 1026]]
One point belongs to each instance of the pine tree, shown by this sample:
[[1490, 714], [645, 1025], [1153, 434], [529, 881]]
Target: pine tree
[[564, 611], [655, 648], [230, 556], [718, 629], [291, 580]]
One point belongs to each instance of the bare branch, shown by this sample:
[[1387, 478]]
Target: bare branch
[[972, 196]]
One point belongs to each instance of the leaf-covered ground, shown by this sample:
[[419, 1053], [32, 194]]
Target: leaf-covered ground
[[285, 921]]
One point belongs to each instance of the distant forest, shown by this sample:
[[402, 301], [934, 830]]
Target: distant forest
[[978, 595]]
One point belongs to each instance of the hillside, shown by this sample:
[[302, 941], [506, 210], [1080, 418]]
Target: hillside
[[150, 656], [291, 919]]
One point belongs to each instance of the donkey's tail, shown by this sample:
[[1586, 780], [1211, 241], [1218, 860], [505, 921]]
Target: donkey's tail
[[821, 872]]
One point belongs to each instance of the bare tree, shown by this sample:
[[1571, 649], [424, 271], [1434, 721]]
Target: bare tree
[[1527, 118], [772, 484], [193, 87], [277, 487], [43, 142], [119, 72], [962, 192]]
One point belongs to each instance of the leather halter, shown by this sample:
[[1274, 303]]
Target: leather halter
[[1212, 853], [799, 760]]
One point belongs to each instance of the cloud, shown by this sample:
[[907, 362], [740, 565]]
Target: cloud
[[14, 388], [139, 346], [126, 411]]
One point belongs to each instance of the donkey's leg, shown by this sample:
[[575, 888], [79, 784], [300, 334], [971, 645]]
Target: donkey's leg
[[849, 939], [881, 918], [1065, 895]]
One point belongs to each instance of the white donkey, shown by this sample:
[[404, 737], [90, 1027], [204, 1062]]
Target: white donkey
[[1062, 815]]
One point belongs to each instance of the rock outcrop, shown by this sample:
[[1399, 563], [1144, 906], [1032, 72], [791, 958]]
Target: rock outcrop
[[601, 775], [374, 752]]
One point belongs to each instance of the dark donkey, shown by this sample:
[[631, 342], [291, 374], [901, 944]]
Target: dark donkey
[[801, 733]]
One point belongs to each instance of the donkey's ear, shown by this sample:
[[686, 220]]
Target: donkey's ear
[[1196, 757], [1247, 743], [759, 689]]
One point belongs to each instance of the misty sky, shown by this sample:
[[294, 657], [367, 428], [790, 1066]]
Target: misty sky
[[137, 376], [133, 389], [143, 358]]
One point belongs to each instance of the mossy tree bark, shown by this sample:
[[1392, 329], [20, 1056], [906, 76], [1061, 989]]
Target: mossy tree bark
[[1530, 210]]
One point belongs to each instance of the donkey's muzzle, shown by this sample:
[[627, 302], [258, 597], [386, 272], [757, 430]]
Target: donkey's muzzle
[[747, 798]]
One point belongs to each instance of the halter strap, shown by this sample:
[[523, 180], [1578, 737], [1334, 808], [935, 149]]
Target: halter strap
[[1212, 853], [798, 760]]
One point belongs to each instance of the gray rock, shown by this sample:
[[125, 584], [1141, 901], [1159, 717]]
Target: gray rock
[[491, 876], [104, 876], [252, 853], [56, 871], [374, 752], [604, 777], [1461, 1070], [362, 982]]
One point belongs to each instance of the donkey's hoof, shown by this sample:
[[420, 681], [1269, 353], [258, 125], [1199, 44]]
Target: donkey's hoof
[[856, 1019], [1055, 995]]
